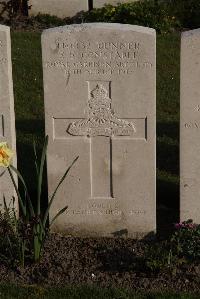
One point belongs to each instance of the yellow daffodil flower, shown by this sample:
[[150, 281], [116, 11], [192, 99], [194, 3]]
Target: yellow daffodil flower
[[6, 154]]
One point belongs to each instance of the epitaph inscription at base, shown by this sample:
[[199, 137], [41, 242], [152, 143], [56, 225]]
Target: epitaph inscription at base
[[99, 83]]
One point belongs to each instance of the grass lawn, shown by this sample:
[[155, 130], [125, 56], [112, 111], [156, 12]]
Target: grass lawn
[[33, 292], [28, 89]]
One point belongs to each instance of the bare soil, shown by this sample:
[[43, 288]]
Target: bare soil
[[101, 262]]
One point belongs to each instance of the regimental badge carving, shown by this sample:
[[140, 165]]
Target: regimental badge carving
[[101, 119]]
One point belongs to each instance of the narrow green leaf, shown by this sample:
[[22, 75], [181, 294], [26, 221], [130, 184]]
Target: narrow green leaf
[[40, 177], [58, 214], [42, 228], [23, 207], [20, 176], [36, 158], [14, 211], [25, 188], [54, 193]]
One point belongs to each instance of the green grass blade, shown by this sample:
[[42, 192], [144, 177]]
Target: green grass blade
[[14, 212], [36, 158], [25, 188], [54, 194], [41, 230], [20, 177], [40, 176], [22, 205], [58, 214]]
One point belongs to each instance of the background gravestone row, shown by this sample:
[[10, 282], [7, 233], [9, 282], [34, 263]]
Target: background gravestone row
[[67, 8]]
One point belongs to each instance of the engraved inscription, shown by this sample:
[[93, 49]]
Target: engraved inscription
[[97, 209], [95, 212], [192, 125], [82, 45], [3, 60], [103, 209], [98, 58], [197, 108], [101, 119], [137, 212], [188, 183]]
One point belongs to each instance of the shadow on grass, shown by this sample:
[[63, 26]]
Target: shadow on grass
[[168, 180], [167, 206], [169, 129], [29, 131], [168, 157], [168, 147], [33, 126]]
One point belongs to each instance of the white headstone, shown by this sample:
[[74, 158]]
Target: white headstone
[[190, 126], [99, 84], [60, 8], [7, 116], [101, 3], [4, 13]]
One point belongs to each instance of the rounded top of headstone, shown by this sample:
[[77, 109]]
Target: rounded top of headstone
[[190, 33], [88, 26], [4, 28]]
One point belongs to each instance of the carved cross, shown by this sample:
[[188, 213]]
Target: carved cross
[[102, 125]]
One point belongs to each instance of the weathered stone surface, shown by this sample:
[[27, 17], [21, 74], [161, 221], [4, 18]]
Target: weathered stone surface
[[60, 8], [7, 117], [190, 126], [3, 11], [101, 3], [99, 84]]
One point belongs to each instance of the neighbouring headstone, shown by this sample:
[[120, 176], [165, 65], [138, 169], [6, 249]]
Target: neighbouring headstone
[[7, 116], [190, 126], [99, 84], [60, 8], [3, 11], [101, 3]]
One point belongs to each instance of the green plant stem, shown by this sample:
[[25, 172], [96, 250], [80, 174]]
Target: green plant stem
[[40, 176], [33, 217], [22, 206]]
